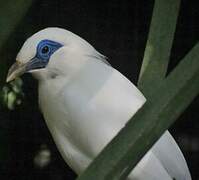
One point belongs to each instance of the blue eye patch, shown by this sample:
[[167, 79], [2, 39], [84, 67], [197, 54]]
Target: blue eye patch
[[45, 49]]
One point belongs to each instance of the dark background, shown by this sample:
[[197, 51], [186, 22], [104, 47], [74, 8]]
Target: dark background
[[118, 29]]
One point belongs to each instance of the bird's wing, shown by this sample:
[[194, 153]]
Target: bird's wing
[[169, 154], [149, 168], [164, 160]]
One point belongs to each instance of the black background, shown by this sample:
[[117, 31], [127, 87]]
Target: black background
[[117, 29]]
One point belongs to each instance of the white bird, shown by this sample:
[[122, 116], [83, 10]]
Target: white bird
[[85, 103]]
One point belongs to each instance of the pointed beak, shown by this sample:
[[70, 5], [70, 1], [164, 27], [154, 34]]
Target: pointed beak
[[16, 70]]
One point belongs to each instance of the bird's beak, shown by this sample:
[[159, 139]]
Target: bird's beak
[[16, 70]]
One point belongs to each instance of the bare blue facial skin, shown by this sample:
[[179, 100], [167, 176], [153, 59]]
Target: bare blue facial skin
[[45, 49]]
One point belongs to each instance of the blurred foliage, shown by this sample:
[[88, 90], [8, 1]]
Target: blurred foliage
[[42, 157], [12, 94], [11, 13]]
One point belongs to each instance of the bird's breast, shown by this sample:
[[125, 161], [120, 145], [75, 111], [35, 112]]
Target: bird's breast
[[87, 112]]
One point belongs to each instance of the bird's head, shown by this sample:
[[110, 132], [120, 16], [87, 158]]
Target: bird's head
[[49, 50]]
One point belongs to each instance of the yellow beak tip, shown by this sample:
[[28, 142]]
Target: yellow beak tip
[[15, 71]]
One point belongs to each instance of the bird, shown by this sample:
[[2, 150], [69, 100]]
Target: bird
[[86, 102]]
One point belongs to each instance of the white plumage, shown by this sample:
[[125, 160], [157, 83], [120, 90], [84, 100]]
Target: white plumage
[[85, 102]]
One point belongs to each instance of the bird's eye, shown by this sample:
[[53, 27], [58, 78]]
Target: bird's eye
[[45, 50]]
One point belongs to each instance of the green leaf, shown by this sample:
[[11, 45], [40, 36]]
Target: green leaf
[[143, 130], [11, 12], [159, 43]]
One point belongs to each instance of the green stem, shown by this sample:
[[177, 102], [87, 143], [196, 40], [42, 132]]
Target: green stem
[[159, 43]]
